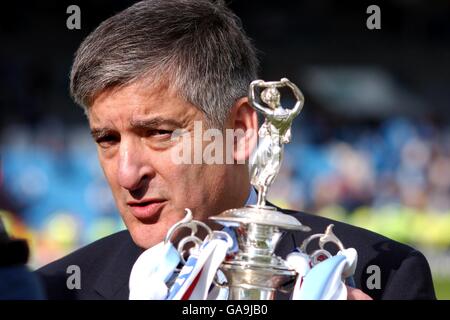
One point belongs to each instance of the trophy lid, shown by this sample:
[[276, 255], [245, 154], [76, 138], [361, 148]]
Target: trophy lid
[[259, 215]]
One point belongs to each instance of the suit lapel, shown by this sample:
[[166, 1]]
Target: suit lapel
[[113, 282]]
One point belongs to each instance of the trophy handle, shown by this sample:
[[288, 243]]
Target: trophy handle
[[188, 222], [324, 238]]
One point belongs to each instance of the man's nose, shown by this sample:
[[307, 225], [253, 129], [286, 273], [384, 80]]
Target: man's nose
[[134, 170]]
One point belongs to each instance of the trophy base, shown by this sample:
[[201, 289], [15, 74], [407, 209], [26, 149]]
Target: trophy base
[[255, 272]]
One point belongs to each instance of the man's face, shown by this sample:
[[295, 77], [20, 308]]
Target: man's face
[[132, 127]]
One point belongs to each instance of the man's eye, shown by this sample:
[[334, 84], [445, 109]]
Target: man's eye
[[106, 141], [158, 133]]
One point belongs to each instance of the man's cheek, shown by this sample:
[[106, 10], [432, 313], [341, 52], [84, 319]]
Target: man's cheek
[[111, 178], [107, 168]]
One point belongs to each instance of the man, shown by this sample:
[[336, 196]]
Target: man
[[159, 67]]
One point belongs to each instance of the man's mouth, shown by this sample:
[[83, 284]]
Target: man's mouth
[[146, 210]]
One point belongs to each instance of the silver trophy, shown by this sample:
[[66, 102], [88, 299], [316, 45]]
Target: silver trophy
[[255, 272]]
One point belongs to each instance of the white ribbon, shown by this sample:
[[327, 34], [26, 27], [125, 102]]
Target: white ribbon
[[301, 263], [196, 276], [324, 281], [151, 271]]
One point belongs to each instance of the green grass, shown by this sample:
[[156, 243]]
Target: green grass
[[442, 288]]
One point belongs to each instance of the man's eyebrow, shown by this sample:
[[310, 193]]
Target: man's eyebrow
[[153, 123], [99, 132], [138, 124]]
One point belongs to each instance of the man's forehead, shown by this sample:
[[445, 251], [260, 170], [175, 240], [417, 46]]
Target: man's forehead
[[138, 105], [136, 93]]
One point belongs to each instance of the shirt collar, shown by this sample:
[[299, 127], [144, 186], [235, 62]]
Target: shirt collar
[[252, 198]]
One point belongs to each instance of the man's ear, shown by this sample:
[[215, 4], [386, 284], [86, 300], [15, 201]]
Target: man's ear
[[244, 122]]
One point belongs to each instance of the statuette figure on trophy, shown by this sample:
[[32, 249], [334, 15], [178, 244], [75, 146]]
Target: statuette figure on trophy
[[274, 132]]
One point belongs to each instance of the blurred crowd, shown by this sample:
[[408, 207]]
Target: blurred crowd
[[53, 191], [398, 161]]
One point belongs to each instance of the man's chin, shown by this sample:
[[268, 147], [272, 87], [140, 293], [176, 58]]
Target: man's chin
[[149, 221], [147, 237], [146, 234], [149, 231]]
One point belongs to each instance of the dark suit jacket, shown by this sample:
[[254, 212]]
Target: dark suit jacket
[[106, 264]]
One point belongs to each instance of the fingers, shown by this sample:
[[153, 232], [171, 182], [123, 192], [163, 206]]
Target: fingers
[[356, 294]]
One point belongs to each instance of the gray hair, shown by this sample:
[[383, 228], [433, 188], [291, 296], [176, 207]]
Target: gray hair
[[197, 46]]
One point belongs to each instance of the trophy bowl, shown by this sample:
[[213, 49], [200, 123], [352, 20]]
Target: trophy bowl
[[254, 272]]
